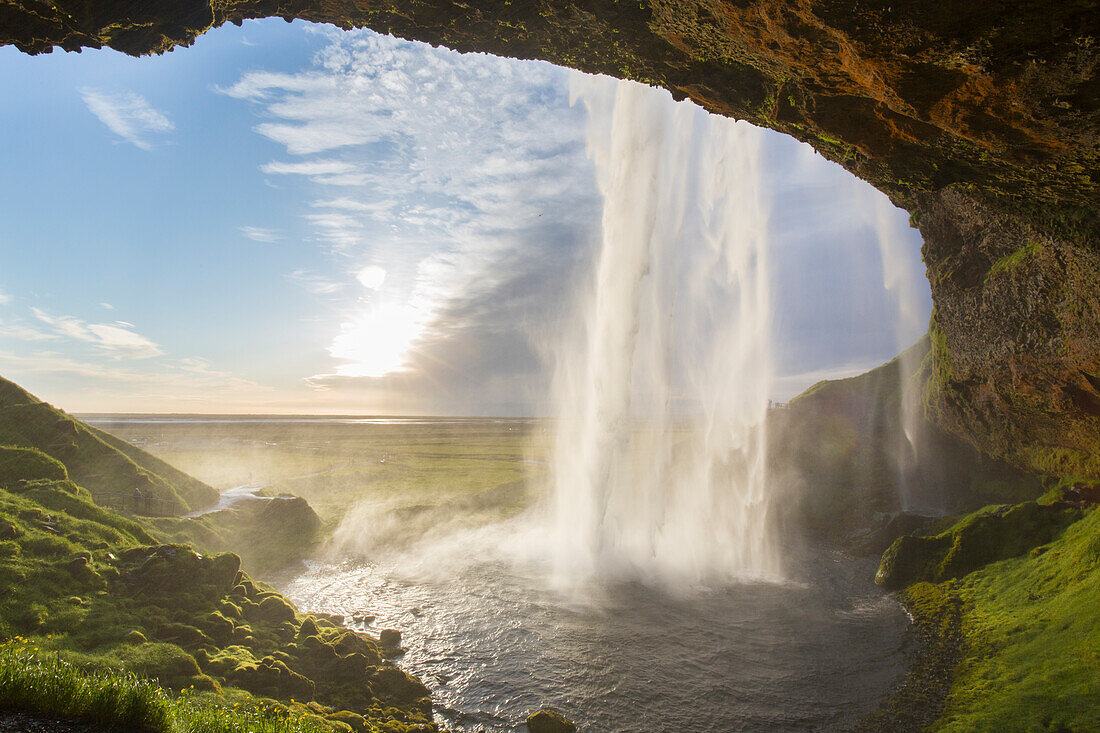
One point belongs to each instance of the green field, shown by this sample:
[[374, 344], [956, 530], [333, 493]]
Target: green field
[[481, 468]]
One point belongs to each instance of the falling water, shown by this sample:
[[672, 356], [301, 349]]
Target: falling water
[[901, 278], [662, 388]]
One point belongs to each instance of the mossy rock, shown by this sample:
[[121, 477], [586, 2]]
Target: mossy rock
[[217, 626], [549, 721], [184, 635], [229, 609], [276, 609], [308, 628], [272, 677], [168, 663], [973, 542], [354, 721], [398, 687]]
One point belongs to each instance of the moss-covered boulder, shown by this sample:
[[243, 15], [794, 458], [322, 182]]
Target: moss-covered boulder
[[398, 687], [273, 678], [549, 721], [973, 542], [275, 609]]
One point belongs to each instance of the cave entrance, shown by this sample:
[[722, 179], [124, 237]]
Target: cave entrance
[[292, 218]]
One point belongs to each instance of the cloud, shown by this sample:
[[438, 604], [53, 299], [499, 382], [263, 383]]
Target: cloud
[[4, 298], [259, 234], [188, 385], [459, 172], [127, 115], [316, 284], [24, 333], [118, 338]]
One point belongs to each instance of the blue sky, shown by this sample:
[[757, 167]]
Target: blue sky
[[290, 218]]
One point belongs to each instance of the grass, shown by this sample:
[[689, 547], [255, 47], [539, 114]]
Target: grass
[[111, 612], [1008, 599], [117, 475], [334, 466], [1032, 629], [42, 683]]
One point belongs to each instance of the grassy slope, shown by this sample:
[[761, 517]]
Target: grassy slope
[[1008, 595], [96, 588], [835, 454], [100, 590], [1032, 628], [118, 475], [1016, 609]]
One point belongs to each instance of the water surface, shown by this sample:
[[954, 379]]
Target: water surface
[[493, 645]]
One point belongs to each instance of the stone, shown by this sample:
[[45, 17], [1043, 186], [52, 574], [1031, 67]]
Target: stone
[[549, 721]]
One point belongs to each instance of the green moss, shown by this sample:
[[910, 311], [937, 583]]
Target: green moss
[[1032, 626], [18, 465], [985, 536], [117, 474], [1010, 262]]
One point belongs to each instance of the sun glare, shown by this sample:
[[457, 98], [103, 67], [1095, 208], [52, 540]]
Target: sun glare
[[377, 341]]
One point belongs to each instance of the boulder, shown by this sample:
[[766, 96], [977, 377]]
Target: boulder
[[549, 721]]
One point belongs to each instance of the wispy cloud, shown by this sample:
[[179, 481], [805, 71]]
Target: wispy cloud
[[127, 115], [4, 298], [459, 175], [316, 284], [23, 332], [259, 234], [118, 338], [187, 385]]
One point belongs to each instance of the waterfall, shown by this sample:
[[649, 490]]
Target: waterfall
[[662, 379], [901, 278]]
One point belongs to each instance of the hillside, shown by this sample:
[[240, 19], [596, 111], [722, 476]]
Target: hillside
[[997, 566], [844, 460], [105, 588], [117, 474]]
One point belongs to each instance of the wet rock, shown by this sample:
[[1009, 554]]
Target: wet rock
[[549, 721], [397, 686], [885, 529], [390, 639]]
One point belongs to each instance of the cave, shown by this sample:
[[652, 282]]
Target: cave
[[981, 122]]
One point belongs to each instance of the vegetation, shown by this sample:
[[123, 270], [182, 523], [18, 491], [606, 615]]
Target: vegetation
[[117, 475], [121, 610], [1005, 595], [845, 462], [47, 684], [471, 470], [1009, 601]]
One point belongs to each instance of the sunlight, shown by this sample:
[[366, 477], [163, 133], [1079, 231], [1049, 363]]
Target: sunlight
[[377, 341]]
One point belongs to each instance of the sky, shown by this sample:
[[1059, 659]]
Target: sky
[[289, 218]]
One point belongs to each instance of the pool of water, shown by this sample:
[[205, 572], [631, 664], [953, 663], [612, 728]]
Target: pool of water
[[812, 651]]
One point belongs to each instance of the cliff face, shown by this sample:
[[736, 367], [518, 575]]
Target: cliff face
[[981, 119]]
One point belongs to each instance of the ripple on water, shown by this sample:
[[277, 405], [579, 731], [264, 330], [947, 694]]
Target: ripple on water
[[493, 644]]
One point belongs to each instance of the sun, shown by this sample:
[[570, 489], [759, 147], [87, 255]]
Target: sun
[[377, 341]]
